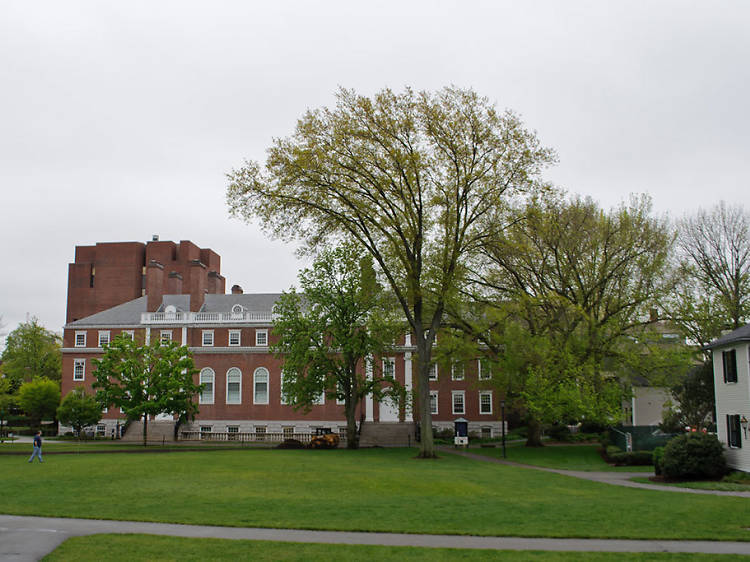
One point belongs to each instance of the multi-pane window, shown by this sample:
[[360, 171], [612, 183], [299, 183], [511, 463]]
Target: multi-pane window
[[79, 369], [80, 339], [130, 334], [288, 431], [483, 370], [208, 338], [261, 338], [207, 380], [234, 338], [458, 402], [457, 371], [389, 367], [485, 402], [165, 336], [260, 386], [729, 359], [103, 338], [321, 399], [205, 431], [260, 432], [433, 372], [733, 431], [234, 386], [232, 430], [433, 401]]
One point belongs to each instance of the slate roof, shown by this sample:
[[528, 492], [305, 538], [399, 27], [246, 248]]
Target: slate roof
[[258, 302], [180, 302], [740, 334], [125, 314]]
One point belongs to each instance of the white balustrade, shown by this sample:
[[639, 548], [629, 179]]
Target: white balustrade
[[205, 317]]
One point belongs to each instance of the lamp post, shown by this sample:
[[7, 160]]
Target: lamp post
[[502, 409]]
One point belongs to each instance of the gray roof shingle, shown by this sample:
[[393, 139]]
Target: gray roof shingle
[[740, 334]]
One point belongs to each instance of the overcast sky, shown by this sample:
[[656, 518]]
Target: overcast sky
[[119, 120]]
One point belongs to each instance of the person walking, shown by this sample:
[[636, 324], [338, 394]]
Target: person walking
[[37, 447]]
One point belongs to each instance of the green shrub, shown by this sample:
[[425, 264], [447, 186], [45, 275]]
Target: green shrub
[[737, 477], [694, 456], [658, 458]]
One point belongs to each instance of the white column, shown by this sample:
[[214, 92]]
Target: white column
[[184, 335], [407, 378], [148, 335], [369, 409]]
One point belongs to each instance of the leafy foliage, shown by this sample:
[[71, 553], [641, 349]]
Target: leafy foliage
[[411, 177], [326, 333], [694, 456], [39, 398], [31, 351], [79, 410], [695, 400], [147, 380]]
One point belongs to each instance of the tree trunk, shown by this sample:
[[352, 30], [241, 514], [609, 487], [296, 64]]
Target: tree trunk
[[427, 444], [145, 428], [352, 436], [534, 438]]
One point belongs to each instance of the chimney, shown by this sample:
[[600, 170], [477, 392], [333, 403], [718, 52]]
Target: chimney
[[154, 285], [236, 290], [197, 284], [155, 238], [216, 283], [174, 283]]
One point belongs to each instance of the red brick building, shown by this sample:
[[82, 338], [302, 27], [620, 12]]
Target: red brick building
[[175, 291]]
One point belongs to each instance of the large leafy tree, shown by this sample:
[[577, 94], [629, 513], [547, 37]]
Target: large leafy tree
[[326, 334], [7, 403], [409, 176], [147, 380], [39, 399], [79, 410], [31, 351], [695, 399], [564, 288]]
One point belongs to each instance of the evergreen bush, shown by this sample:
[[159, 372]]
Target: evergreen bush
[[694, 456]]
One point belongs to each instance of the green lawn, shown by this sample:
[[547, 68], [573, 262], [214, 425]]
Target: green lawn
[[50, 446], [566, 457], [700, 485], [367, 490], [136, 548]]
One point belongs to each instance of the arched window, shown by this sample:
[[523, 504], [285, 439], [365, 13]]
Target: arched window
[[207, 380], [260, 386], [234, 386]]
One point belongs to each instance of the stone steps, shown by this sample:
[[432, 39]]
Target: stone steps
[[158, 431], [387, 434]]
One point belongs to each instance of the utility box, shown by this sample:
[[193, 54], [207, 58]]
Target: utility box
[[461, 428]]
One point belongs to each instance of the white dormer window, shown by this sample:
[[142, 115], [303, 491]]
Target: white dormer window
[[261, 338], [208, 338], [103, 338], [80, 339]]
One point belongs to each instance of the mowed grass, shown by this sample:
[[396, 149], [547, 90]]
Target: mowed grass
[[565, 457], [718, 486], [135, 548], [368, 490]]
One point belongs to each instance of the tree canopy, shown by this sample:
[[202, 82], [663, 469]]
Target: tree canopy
[[31, 351], [147, 380], [412, 177], [326, 334], [39, 399], [79, 410]]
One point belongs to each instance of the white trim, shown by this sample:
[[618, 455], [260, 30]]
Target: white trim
[[105, 335], [163, 333], [82, 363], [260, 373], [202, 397], [434, 411], [75, 341], [481, 394], [481, 375], [391, 362], [261, 335], [433, 374], [130, 333], [238, 333], [462, 394], [234, 371], [207, 338]]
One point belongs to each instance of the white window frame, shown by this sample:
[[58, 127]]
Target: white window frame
[[454, 395], [207, 338], [458, 371], [104, 334], [105, 410], [205, 374], [237, 333], [434, 410], [128, 333], [391, 362], [486, 373], [481, 394], [320, 400], [433, 375], [234, 371], [165, 336], [82, 343], [258, 376], [82, 363], [261, 335]]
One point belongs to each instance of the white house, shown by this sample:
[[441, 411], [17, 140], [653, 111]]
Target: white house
[[731, 360]]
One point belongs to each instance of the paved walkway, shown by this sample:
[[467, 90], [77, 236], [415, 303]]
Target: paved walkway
[[612, 477], [23, 539]]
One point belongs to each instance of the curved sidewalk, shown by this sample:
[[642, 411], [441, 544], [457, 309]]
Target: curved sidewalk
[[25, 539], [613, 477]]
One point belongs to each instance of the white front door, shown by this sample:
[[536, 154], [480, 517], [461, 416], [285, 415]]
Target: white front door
[[388, 410]]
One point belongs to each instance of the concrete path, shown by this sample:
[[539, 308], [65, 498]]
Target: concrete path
[[24, 539], [613, 477]]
